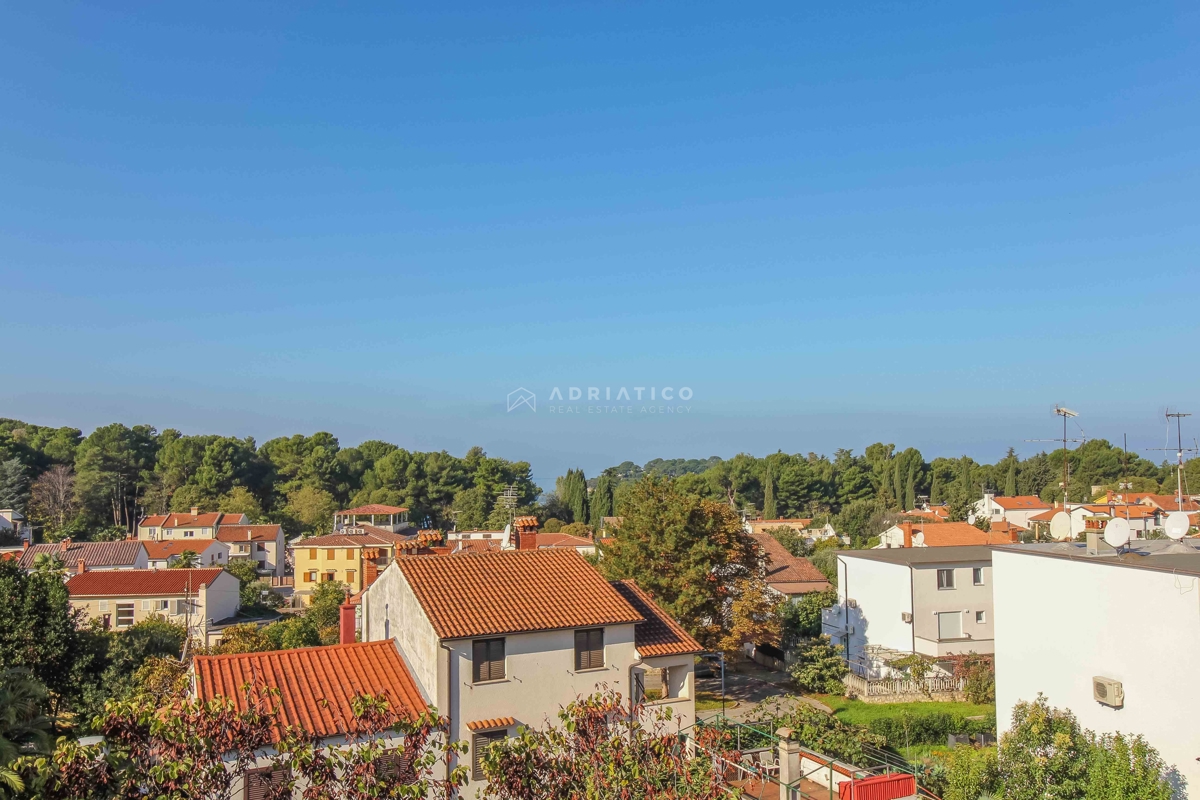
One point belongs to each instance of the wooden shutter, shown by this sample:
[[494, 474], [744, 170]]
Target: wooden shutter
[[479, 744], [589, 649], [258, 781], [488, 659], [394, 767]]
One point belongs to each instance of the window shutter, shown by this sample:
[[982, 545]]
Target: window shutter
[[496, 659], [487, 656], [479, 660], [145, 605], [479, 745], [589, 649], [259, 781]]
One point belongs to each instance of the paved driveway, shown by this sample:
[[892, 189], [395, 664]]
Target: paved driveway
[[749, 684]]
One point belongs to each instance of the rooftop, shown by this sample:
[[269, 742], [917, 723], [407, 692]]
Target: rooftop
[[171, 548], [785, 568], [249, 533], [97, 554], [1162, 555], [374, 508], [139, 582], [659, 635], [949, 534], [514, 591], [358, 536], [1020, 502], [923, 555], [176, 520], [316, 684]]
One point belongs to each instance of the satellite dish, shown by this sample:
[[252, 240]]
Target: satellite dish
[[1116, 532], [1060, 526], [1177, 525]]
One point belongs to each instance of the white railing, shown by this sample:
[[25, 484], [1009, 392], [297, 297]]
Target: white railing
[[878, 687]]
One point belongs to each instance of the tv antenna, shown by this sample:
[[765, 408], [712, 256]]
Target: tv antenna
[[1179, 450], [507, 499], [1066, 414]]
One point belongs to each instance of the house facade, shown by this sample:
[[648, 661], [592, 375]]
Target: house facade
[[119, 599], [354, 556], [500, 640], [1065, 618], [164, 554], [262, 544], [942, 534], [14, 523], [936, 601], [1016, 510], [94, 556]]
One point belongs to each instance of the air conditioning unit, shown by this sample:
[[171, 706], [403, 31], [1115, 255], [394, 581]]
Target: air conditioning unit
[[906, 617], [1108, 692]]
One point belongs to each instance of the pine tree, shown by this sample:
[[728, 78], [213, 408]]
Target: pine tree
[[769, 509]]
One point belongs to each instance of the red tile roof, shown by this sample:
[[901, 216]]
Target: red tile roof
[[1167, 502], [512, 592], [490, 724], [1020, 502], [785, 568], [1004, 526], [157, 551], [948, 534], [659, 635], [124, 553], [369, 536], [1131, 511], [317, 685], [249, 533], [525, 522], [135, 582], [374, 508], [205, 520], [562, 540]]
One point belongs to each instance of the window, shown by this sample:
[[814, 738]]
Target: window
[[480, 744], [329, 554], [311, 576], [350, 576], [945, 579], [189, 533], [589, 649], [950, 625], [103, 605], [329, 576], [155, 605], [124, 615], [977, 576], [488, 659], [258, 782], [394, 766], [349, 554], [981, 617], [312, 554]]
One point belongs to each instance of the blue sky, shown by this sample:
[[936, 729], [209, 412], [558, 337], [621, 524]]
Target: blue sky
[[921, 223]]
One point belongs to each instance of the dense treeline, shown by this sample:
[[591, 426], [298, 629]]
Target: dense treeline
[[97, 486]]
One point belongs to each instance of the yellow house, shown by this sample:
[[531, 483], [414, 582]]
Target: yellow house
[[353, 555]]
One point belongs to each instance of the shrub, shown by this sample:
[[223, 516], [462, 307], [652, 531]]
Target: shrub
[[819, 666], [928, 727], [553, 525], [802, 618], [970, 772], [815, 729]]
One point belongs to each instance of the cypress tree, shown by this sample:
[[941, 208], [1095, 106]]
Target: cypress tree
[[769, 509], [910, 491], [935, 491], [603, 499], [897, 487], [572, 490], [1010, 483]]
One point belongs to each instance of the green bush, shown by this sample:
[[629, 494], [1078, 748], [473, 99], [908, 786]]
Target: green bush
[[970, 772], [928, 727], [819, 666]]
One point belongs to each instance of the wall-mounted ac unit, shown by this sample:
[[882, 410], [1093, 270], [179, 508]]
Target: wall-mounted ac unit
[[1108, 692], [905, 617]]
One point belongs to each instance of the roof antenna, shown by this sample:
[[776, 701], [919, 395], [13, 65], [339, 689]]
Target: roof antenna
[[1179, 449], [1066, 414]]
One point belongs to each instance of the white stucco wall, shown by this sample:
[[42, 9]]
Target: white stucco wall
[[390, 607], [965, 598], [883, 592], [221, 599], [1059, 623]]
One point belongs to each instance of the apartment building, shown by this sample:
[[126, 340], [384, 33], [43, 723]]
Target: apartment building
[[504, 639], [354, 556], [264, 544]]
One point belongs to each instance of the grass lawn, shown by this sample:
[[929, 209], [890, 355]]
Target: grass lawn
[[711, 701], [857, 712]]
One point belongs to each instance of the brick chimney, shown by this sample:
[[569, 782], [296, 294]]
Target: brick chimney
[[370, 572], [195, 511], [64, 544], [81, 567], [526, 535], [907, 527], [347, 632]]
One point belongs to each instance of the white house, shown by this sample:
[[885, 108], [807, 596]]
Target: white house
[[1016, 510], [262, 544], [1066, 619], [161, 555], [504, 639], [936, 601], [940, 534]]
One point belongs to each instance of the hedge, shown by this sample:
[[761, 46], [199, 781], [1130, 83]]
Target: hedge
[[928, 727]]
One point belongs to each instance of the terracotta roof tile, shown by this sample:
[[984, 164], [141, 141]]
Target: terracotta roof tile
[[949, 534], [659, 635], [1020, 502], [350, 537], [783, 567], [1167, 502], [490, 724], [135, 582], [513, 592], [208, 519], [562, 540], [317, 685], [157, 551], [257, 533], [374, 508], [124, 553]]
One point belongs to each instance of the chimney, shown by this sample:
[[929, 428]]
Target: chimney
[[81, 567], [347, 632], [907, 527], [65, 544], [195, 511], [24, 544], [370, 572], [526, 535]]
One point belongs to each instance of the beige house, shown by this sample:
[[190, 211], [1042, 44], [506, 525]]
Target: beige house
[[263, 544], [503, 639], [197, 598]]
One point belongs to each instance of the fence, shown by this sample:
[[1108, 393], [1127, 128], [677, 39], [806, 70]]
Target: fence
[[887, 687]]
